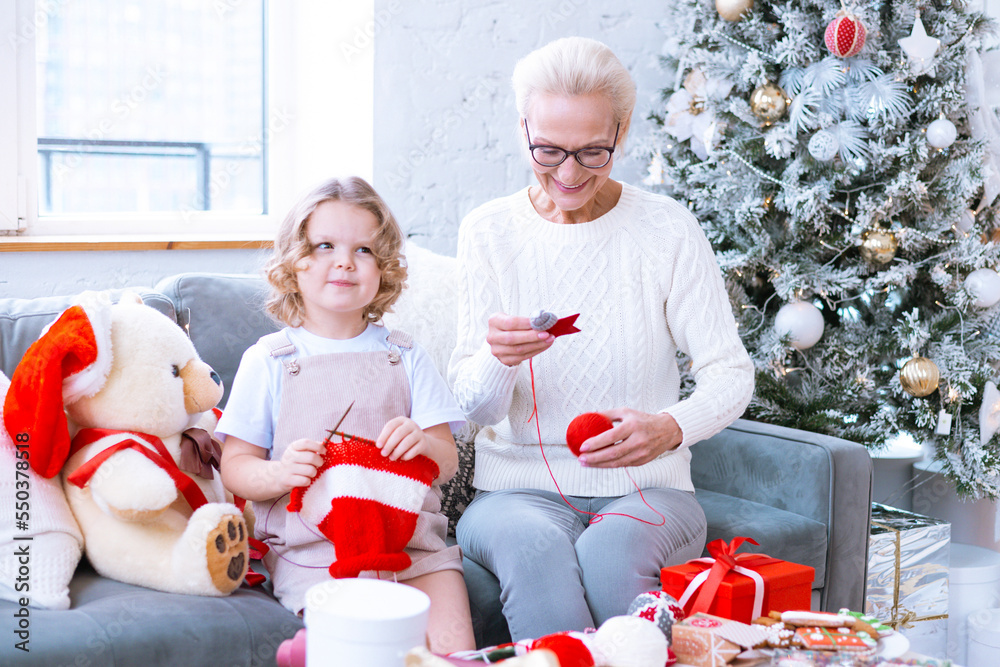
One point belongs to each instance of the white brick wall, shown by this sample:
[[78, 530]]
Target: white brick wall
[[444, 111]]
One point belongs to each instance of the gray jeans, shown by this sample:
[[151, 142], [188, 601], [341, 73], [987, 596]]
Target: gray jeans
[[561, 569]]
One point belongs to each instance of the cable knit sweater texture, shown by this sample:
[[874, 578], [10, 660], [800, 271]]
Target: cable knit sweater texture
[[646, 284]]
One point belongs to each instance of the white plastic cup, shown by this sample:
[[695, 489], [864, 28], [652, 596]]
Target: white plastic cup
[[354, 622]]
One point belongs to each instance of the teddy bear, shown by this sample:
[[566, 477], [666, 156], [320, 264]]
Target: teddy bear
[[115, 400]]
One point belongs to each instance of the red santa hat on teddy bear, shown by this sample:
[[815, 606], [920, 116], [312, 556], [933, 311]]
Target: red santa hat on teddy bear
[[70, 360]]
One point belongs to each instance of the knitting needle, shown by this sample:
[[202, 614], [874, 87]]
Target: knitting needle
[[333, 431]]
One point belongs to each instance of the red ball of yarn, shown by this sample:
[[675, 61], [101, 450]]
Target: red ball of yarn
[[585, 426], [570, 651]]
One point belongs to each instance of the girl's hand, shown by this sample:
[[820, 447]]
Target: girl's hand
[[300, 463], [512, 340], [636, 438], [401, 438]]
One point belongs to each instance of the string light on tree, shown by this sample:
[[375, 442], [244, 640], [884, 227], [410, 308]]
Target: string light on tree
[[768, 102], [733, 10], [984, 287], [878, 246], [845, 34], [919, 376], [941, 133], [801, 322]]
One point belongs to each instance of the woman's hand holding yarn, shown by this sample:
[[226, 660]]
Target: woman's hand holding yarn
[[636, 438], [512, 340]]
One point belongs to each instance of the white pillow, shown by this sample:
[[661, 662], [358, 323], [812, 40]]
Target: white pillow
[[56, 544], [427, 307]]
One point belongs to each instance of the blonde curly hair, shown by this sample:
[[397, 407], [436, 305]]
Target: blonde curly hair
[[291, 246]]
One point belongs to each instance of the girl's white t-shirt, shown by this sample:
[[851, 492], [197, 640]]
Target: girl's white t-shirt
[[252, 409]]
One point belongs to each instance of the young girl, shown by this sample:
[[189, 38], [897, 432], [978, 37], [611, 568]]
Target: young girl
[[335, 270]]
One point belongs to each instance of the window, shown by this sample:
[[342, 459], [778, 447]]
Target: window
[[151, 107], [177, 117]]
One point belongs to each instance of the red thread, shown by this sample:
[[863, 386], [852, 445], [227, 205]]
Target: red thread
[[597, 516]]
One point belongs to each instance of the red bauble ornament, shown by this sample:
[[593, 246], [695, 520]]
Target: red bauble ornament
[[571, 651], [845, 35], [585, 426]]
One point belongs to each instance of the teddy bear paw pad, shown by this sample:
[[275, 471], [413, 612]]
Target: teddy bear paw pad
[[227, 553]]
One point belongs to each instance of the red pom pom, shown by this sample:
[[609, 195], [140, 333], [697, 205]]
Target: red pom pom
[[585, 426], [571, 651], [845, 35]]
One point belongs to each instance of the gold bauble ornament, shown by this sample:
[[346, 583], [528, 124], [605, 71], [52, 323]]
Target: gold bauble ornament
[[733, 10], [768, 102], [919, 376], [878, 246]]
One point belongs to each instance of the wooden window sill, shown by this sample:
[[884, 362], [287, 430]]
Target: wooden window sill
[[77, 243]]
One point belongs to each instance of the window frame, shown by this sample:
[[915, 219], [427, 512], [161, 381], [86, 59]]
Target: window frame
[[297, 126]]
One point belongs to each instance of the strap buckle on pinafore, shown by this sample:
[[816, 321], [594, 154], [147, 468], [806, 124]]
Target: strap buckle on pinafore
[[278, 346]]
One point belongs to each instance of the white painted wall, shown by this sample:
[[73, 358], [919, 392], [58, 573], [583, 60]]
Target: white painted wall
[[31, 274]]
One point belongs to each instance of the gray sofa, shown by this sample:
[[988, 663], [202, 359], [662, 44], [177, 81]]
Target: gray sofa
[[804, 497]]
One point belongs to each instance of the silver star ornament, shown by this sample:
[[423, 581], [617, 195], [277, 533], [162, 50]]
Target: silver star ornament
[[920, 48]]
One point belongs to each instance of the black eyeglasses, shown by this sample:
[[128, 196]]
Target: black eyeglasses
[[593, 157]]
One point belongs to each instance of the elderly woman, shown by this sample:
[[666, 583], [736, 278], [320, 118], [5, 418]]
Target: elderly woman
[[641, 274]]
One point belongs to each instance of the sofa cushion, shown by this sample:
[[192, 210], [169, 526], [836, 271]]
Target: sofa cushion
[[428, 307], [223, 315], [114, 623], [22, 320], [780, 534]]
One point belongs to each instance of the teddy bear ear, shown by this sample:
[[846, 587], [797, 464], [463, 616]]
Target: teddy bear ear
[[70, 360], [130, 297]]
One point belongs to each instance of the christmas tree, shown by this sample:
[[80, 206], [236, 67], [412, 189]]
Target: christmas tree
[[846, 172]]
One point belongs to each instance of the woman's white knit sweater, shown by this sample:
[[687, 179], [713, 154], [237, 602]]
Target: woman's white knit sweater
[[646, 284]]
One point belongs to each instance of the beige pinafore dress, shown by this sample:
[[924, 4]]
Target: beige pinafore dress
[[315, 392]]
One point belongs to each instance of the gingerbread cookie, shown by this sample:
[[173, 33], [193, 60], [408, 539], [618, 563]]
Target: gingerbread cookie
[[820, 619], [828, 638], [765, 620], [779, 635], [868, 623]]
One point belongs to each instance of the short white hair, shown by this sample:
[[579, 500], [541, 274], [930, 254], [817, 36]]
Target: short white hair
[[574, 66]]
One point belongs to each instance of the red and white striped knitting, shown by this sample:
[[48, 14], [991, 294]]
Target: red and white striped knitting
[[365, 504]]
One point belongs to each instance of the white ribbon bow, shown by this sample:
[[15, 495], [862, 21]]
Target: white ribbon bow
[[758, 583]]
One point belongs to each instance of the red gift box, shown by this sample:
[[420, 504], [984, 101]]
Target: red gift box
[[732, 585]]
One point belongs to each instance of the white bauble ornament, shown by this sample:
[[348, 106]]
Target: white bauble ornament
[[629, 641], [941, 133], [801, 322], [823, 146], [984, 286]]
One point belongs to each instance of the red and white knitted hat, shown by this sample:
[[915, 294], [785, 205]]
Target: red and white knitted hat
[[365, 504], [70, 360]]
